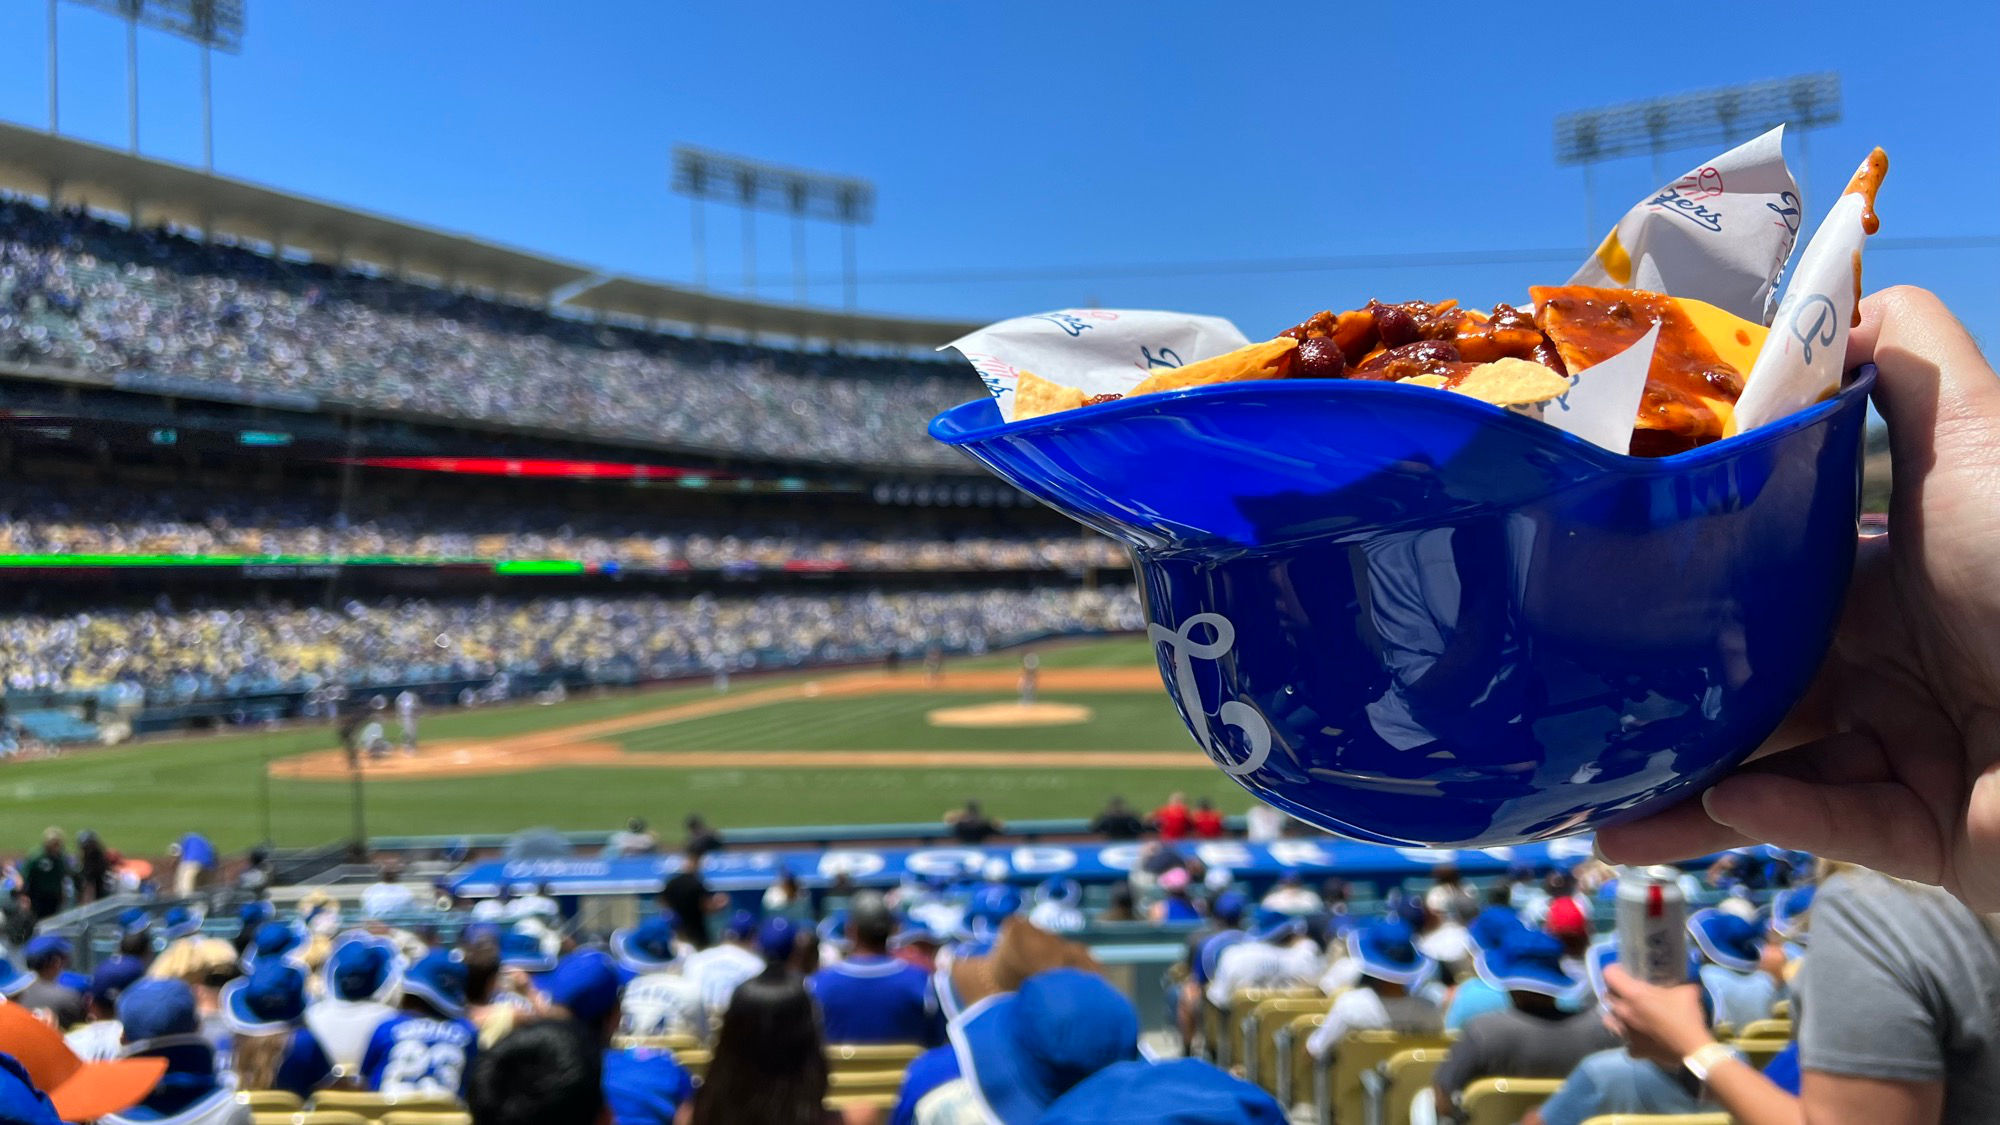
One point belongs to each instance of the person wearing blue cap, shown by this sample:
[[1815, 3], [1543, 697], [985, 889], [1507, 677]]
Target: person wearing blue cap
[[362, 972], [1385, 998], [642, 1086], [102, 1038], [1181, 1092], [717, 970], [48, 956], [1734, 973], [782, 941], [660, 999], [1017, 1052], [1058, 906], [869, 996], [1204, 950], [1278, 953], [194, 858], [1537, 1036], [180, 922], [1613, 1081], [273, 940], [1474, 996], [427, 1048], [160, 1020], [270, 1048]]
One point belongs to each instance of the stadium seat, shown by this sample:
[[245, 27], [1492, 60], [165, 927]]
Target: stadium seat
[[1661, 1119], [674, 1043], [872, 1101], [1782, 1010], [1337, 1088], [1293, 1060], [1760, 1052], [1766, 1029], [270, 1101], [1240, 1004], [870, 1056], [273, 1116], [1260, 1031], [311, 1117], [1394, 1084], [695, 1061], [1503, 1101], [373, 1107], [427, 1117]]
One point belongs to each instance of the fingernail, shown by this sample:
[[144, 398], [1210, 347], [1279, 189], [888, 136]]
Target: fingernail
[[1708, 806]]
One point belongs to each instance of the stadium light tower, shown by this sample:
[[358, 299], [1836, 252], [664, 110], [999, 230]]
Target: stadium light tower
[[1705, 117], [755, 185], [210, 24]]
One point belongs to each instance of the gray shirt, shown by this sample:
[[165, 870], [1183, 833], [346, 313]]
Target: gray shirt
[[65, 1002], [1902, 983], [1513, 1044]]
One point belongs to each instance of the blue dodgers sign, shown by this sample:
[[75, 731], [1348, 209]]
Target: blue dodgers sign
[[1028, 863]]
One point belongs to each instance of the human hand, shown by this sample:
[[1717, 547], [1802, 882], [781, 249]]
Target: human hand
[[1662, 1025], [1895, 752], [1771, 959]]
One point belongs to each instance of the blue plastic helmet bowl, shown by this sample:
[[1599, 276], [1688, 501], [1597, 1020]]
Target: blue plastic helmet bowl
[[1416, 619]]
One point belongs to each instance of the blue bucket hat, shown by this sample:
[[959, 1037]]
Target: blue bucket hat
[[273, 939], [525, 952], [272, 999], [21, 1103], [1789, 909], [647, 947], [1491, 926], [1180, 1092], [182, 921], [1068, 892], [114, 976], [1387, 951], [586, 983], [1527, 961], [13, 978], [777, 936], [362, 966], [1022, 1050], [134, 920], [1731, 942], [155, 1009], [994, 903], [1273, 925], [438, 979]]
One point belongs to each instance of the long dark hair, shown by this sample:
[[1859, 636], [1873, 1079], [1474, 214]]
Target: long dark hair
[[770, 1065]]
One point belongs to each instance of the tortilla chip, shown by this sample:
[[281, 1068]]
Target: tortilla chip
[[1511, 382], [1423, 381], [1035, 396], [1251, 361]]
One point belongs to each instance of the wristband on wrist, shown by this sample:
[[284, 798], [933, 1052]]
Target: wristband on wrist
[[1709, 1056]]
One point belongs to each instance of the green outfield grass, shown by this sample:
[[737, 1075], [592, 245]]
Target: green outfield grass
[[140, 797]]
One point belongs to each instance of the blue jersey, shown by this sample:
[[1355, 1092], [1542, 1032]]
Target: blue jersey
[[416, 1056], [927, 1072], [643, 1086], [877, 999]]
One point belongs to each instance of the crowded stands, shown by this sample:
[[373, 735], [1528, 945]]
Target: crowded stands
[[81, 292], [193, 653]]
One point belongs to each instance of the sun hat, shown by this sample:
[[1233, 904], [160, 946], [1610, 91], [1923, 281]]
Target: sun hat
[[134, 920], [1491, 926], [1228, 908], [522, 950], [77, 1090], [182, 921], [273, 939], [362, 966], [1527, 961], [1022, 1050], [1789, 910], [438, 979], [1726, 939], [155, 1009], [1179, 1092], [1275, 925], [647, 947], [115, 975], [1386, 950], [272, 999]]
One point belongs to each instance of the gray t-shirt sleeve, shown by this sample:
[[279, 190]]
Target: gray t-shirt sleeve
[[1460, 1065], [1870, 1008]]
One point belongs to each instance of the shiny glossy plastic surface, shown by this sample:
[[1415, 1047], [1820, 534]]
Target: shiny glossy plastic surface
[[1413, 618]]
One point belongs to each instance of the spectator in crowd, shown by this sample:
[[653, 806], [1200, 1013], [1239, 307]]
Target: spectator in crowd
[[1176, 905], [1179, 1092], [1263, 824], [719, 969], [869, 996], [48, 956], [1291, 896], [1571, 927], [491, 1007], [1896, 1021], [660, 999], [770, 1065], [271, 1048], [1732, 949], [427, 1048], [1385, 997], [781, 941], [1058, 906], [161, 1021], [17, 917], [93, 868], [361, 974], [1536, 1037], [788, 899], [1121, 905], [42, 1082], [1614, 1081], [48, 875], [1206, 824], [1448, 890], [194, 861], [1278, 953], [1017, 1052], [970, 824], [1333, 904], [536, 904], [255, 878], [388, 895], [102, 1037], [1204, 951], [1117, 821], [1173, 820], [1443, 937], [702, 840], [641, 1086], [250, 917], [688, 899], [547, 1073], [634, 839], [1474, 996]]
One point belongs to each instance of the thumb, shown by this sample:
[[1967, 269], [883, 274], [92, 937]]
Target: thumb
[[1933, 387]]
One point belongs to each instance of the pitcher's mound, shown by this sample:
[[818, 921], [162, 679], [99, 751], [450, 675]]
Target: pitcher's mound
[[1010, 715]]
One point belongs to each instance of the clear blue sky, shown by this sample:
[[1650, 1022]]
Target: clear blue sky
[[1034, 137]]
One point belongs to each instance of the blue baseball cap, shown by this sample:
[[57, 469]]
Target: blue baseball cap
[[182, 921], [1789, 909], [1527, 961], [134, 920], [777, 937], [647, 947], [154, 1009], [586, 983], [438, 979], [741, 924], [273, 939], [1729, 941], [13, 978], [1023, 1050], [45, 946], [114, 976], [21, 1103], [1491, 926], [362, 966], [1386, 950], [1228, 907], [255, 912], [272, 999], [1180, 1092], [525, 952], [910, 931], [1275, 925]]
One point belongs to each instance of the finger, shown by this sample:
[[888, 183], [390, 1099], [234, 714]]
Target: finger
[[1931, 375], [1681, 831], [1878, 824]]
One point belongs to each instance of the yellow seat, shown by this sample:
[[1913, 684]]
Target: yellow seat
[[274, 1116], [1766, 1029], [427, 1117], [1337, 1088], [371, 1106], [1293, 1060], [1406, 1073], [871, 1101], [695, 1061], [1782, 1009], [310, 1117], [1260, 1032], [1241, 1003], [1504, 1101], [1760, 1052], [270, 1101], [865, 1081], [870, 1056], [674, 1043], [1661, 1119]]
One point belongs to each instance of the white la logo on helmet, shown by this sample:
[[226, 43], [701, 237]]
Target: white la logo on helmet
[[1233, 712]]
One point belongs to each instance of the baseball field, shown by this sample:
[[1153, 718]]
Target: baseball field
[[828, 747]]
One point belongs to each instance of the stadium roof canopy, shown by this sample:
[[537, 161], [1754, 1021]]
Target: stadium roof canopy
[[67, 171]]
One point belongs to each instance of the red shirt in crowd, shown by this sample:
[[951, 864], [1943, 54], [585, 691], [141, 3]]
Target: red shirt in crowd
[[1208, 824], [1172, 821]]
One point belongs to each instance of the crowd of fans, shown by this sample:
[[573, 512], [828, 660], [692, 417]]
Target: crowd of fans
[[40, 520], [180, 654], [90, 294]]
